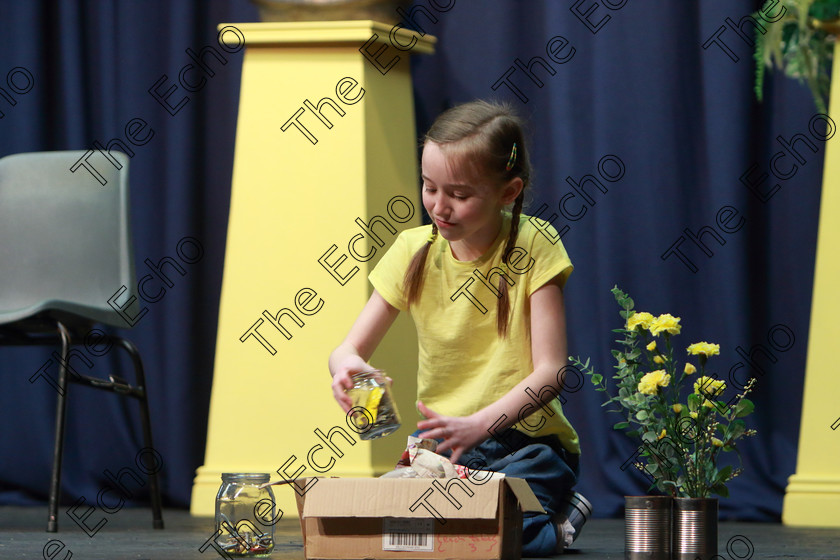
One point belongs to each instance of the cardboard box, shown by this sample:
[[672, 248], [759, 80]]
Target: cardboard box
[[370, 518]]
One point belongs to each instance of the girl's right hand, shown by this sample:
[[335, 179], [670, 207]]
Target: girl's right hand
[[342, 380]]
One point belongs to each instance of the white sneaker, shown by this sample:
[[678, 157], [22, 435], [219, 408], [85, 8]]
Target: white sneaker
[[579, 511], [570, 520]]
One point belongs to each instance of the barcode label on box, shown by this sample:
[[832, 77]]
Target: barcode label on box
[[415, 535]]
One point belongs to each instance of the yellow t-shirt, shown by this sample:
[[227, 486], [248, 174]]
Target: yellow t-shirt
[[463, 363]]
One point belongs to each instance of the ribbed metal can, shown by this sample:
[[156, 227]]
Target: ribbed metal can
[[695, 528], [647, 527]]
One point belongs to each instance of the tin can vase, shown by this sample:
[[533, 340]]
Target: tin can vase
[[245, 515], [374, 413], [695, 528], [647, 527]]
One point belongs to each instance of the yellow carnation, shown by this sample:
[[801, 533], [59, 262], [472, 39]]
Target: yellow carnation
[[662, 435], [709, 386], [658, 360], [705, 348], [650, 383], [677, 408], [651, 346], [689, 369], [665, 323], [642, 319]]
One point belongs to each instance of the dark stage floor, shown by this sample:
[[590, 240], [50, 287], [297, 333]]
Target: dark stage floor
[[128, 535]]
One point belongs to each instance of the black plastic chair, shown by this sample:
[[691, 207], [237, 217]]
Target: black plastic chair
[[66, 251]]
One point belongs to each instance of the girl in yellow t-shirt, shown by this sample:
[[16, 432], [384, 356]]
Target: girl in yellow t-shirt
[[484, 287]]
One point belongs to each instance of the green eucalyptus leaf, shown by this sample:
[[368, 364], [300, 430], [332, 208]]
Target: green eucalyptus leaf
[[649, 436], [621, 426], [642, 415], [744, 408]]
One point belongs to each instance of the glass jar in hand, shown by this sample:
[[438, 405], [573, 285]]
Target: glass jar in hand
[[245, 515], [374, 411]]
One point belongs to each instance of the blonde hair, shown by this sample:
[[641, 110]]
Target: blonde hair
[[479, 136]]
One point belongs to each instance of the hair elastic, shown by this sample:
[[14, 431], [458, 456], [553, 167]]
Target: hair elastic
[[512, 159]]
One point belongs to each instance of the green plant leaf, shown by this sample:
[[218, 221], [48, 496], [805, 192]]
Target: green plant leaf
[[723, 475], [825, 10], [621, 425], [721, 490], [744, 408], [597, 378], [649, 436], [693, 402], [736, 430], [642, 415]]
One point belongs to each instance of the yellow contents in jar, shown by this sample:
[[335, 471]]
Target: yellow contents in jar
[[372, 404], [369, 400]]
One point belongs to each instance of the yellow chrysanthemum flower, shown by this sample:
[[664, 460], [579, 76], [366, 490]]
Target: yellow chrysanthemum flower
[[689, 369], [709, 386], [662, 435], [677, 408], [665, 323], [651, 346], [693, 415], [716, 442], [651, 382], [642, 319], [705, 348], [658, 360]]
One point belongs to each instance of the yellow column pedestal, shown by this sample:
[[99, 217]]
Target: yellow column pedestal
[[292, 203], [813, 493]]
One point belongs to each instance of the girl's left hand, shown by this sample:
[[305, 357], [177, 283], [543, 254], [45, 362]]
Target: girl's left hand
[[460, 434]]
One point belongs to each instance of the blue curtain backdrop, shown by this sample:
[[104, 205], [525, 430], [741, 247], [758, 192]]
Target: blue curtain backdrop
[[640, 96]]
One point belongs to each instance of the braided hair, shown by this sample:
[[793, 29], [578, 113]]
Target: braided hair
[[487, 139]]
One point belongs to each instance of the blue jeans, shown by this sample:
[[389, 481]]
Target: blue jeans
[[550, 470]]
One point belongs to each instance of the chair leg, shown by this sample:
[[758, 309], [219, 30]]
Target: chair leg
[[140, 378], [58, 450]]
